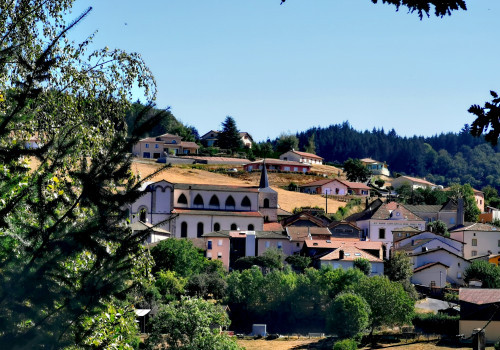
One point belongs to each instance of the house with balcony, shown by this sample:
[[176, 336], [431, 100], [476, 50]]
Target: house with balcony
[[159, 146], [277, 165], [336, 187], [376, 167]]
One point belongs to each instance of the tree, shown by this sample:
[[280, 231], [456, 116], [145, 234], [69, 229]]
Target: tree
[[229, 138], [465, 193], [178, 255], [311, 144], [348, 315], [65, 253], [399, 267], [441, 7], [390, 305], [438, 227], [190, 324], [298, 262], [356, 171], [286, 142], [485, 272], [487, 119], [363, 265]]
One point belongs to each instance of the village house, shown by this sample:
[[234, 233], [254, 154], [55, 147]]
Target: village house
[[479, 309], [479, 197], [306, 218], [412, 181], [376, 167], [451, 213], [379, 220], [336, 187], [490, 214], [277, 165], [437, 267], [229, 246], [424, 241], [159, 146], [301, 157], [480, 239], [344, 258]]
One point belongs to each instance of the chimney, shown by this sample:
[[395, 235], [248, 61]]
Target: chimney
[[412, 242], [341, 254], [460, 212], [366, 203]]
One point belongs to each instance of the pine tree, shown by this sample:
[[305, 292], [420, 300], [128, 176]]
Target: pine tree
[[229, 138]]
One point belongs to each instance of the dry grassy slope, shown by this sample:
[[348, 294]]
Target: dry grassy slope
[[286, 199]]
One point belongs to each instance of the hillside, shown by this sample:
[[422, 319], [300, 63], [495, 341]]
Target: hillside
[[286, 199], [442, 159]]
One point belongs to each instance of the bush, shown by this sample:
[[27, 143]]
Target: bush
[[437, 324], [345, 344]]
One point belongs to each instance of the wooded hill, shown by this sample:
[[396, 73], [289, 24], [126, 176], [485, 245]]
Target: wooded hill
[[442, 159]]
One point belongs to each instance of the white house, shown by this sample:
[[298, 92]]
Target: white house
[[301, 157], [379, 220], [412, 181], [480, 239], [345, 256], [441, 267], [376, 167], [426, 240]]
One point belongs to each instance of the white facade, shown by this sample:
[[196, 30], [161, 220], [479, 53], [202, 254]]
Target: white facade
[[433, 276], [478, 242], [381, 230], [301, 157], [188, 211], [456, 264], [437, 241]]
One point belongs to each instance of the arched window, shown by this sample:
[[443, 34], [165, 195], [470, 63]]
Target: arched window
[[143, 214], [251, 227], [199, 229], [198, 201], [234, 227], [266, 203], [214, 202], [216, 226], [246, 202], [184, 229], [182, 199], [230, 203]]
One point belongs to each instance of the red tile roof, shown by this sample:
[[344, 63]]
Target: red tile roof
[[351, 253], [308, 155], [479, 296], [272, 226]]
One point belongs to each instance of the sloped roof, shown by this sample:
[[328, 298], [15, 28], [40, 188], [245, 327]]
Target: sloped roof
[[308, 155], [202, 187], [189, 144], [416, 244], [141, 226], [426, 266], [222, 234], [478, 227], [337, 223], [430, 251], [383, 212], [272, 226], [270, 235], [423, 208], [351, 253], [304, 215], [479, 296], [307, 229]]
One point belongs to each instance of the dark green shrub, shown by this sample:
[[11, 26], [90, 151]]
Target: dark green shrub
[[437, 324], [345, 344]]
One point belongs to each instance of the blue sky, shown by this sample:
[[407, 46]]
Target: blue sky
[[307, 63]]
